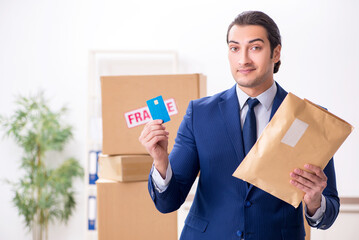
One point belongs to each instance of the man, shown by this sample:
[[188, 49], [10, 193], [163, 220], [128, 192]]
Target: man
[[213, 139]]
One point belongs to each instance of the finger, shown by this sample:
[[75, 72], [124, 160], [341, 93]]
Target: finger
[[300, 186], [154, 122], [303, 181], [310, 176], [155, 133], [152, 126], [156, 139], [317, 170]]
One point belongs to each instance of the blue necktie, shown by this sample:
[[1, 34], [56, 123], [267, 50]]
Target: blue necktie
[[250, 126]]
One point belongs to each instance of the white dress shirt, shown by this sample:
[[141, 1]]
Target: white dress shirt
[[262, 111]]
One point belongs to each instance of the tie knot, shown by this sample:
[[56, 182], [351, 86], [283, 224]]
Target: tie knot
[[252, 102]]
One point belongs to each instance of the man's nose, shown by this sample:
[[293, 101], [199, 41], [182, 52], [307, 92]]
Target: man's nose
[[244, 58]]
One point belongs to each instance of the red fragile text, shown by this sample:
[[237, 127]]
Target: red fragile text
[[142, 115]]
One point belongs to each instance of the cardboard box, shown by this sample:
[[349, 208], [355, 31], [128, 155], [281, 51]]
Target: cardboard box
[[124, 107], [126, 211], [125, 168]]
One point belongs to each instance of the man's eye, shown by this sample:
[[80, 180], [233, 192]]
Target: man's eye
[[233, 49], [256, 48]]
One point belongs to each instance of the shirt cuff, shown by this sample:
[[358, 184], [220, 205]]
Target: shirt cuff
[[318, 215], [160, 183]]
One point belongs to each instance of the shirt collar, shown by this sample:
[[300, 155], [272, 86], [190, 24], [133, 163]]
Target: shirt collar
[[266, 98]]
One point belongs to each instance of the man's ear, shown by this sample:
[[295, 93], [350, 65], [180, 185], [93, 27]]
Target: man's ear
[[276, 53]]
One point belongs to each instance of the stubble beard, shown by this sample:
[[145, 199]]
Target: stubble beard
[[251, 81]]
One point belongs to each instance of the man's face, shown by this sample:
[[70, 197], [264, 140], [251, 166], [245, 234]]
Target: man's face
[[249, 55]]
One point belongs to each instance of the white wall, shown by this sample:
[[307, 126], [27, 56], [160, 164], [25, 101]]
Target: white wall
[[45, 44]]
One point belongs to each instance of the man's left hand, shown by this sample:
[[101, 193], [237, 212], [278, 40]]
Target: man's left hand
[[312, 183]]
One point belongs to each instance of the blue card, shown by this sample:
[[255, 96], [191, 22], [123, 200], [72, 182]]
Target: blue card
[[158, 109]]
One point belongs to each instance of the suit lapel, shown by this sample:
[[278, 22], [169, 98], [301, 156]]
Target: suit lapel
[[278, 99], [229, 108]]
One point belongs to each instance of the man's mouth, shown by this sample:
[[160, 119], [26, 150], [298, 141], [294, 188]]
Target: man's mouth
[[246, 70]]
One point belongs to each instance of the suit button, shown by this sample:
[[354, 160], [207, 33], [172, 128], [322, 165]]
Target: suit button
[[248, 204], [239, 233]]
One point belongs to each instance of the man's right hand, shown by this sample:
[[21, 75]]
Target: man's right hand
[[154, 138]]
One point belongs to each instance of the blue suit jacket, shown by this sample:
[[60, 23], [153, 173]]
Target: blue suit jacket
[[209, 140]]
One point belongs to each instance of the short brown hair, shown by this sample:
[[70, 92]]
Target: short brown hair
[[261, 19]]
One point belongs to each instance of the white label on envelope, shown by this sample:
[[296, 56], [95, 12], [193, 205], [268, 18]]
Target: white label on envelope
[[295, 132]]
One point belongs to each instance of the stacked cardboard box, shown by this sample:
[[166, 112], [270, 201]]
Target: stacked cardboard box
[[125, 168], [125, 209]]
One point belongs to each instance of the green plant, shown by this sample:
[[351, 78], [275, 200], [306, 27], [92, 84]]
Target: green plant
[[42, 195]]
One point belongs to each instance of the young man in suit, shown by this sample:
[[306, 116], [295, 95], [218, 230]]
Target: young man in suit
[[213, 139]]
